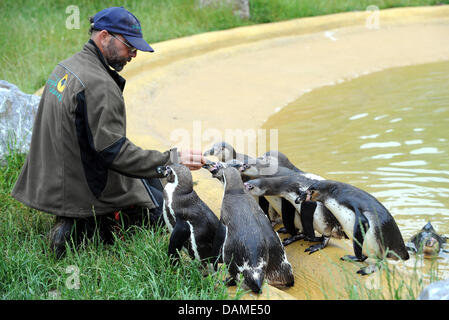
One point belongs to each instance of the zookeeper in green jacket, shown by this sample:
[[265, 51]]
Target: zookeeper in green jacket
[[81, 167]]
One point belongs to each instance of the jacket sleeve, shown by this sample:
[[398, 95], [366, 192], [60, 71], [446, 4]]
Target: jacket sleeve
[[107, 122]]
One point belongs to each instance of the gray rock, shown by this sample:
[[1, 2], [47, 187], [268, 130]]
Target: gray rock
[[17, 112], [436, 291]]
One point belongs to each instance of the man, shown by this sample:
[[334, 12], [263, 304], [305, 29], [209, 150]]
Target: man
[[81, 167]]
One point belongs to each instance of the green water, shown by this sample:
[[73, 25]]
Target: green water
[[386, 133]]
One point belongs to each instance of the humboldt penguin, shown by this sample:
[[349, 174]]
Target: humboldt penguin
[[308, 217], [427, 242], [275, 207], [191, 222], [281, 159], [251, 247], [225, 152], [286, 208], [364, 220]]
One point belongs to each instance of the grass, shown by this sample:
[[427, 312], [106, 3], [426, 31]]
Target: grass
[[136, 266], [33, 38]]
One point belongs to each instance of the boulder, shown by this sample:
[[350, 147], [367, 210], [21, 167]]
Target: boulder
[[17, 112], [436, 291]]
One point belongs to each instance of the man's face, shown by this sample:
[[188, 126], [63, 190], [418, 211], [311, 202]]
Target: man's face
[[116, 53]]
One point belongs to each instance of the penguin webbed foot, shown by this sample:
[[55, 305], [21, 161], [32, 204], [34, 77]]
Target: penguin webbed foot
[[292, 239], [367, 270], [314, 239], [353, 258], [319, 246], [282, 230]]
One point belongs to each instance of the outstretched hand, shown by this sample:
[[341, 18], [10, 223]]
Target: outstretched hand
[[192, 159]]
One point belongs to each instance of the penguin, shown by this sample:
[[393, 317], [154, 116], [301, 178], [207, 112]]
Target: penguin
[[191, 222], [286, 206], [281, 158], [308, 216], [427, 241], [273, 163], [228, 156], [251, 248], [275, 207], [225, 152], [364, 219]]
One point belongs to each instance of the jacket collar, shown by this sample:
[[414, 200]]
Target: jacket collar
[[90, 45]]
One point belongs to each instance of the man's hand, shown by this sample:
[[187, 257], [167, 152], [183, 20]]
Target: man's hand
[[192, 159]]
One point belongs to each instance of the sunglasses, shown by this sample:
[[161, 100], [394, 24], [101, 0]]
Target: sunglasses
[[131, 49]]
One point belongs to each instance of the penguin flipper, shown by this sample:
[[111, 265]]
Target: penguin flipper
[[361, 226], [307, 212], [179, 235], [288, 216], [264, 204], [220, 236]]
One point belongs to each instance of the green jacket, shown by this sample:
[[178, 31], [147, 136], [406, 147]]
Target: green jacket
[[80, 161]]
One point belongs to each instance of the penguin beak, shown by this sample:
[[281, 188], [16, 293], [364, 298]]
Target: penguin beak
[[248, 186], [213, 167], [302, 196], [164, 170], [309, 195], [161, 170], [243, 167], [208, 164]]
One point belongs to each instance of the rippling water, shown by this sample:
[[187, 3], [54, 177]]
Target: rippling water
[[386, 133]]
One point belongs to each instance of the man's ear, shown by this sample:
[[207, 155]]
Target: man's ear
[[101, 39]]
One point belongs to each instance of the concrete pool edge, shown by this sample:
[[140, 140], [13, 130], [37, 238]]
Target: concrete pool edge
[[169, 51]]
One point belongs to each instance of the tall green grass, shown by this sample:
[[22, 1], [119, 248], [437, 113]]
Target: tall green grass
[[136, 266], [34, 37]]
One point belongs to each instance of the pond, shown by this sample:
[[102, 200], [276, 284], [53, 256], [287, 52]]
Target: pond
[[386, 133]]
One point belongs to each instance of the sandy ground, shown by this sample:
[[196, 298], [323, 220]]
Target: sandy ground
[[196, 90]]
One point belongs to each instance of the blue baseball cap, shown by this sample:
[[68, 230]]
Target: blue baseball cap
[[119, 20]]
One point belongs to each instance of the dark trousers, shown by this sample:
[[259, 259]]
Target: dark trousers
[[109, 226]]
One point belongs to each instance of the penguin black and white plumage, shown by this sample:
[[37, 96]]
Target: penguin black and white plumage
[[251, 247], [293, 216], [363, 218], [226, 152], [275, 207], [427, 242], [309, 216], [282, 159], [191, 222]]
